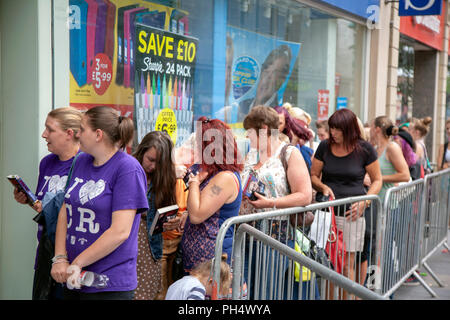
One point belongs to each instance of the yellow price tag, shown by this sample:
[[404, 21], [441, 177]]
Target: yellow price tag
[[167, 122]]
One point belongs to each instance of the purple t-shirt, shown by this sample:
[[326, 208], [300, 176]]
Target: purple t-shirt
[[94, 193], [52, 178]]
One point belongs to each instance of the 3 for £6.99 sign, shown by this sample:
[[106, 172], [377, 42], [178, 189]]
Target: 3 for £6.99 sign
[[101, 73]]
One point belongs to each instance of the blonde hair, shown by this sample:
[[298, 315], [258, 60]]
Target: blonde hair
[[423, 125], [387, 127], [297, 113], [68, 118], [204, 269]]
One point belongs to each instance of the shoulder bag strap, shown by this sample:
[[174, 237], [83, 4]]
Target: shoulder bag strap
[[69, 176]]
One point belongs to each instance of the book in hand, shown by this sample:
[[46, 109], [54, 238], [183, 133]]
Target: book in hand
[[162, 216], [17, 181], [253, 185]]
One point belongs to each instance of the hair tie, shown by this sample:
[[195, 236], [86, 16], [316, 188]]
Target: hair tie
[[389, 131], [120, 119]]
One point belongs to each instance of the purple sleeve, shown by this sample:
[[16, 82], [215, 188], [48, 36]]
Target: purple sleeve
[[130, 191]]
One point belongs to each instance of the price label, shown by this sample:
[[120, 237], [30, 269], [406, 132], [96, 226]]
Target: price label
[[167, 122], [102, 73]]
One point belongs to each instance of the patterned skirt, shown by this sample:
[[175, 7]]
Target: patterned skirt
[[148, 269]]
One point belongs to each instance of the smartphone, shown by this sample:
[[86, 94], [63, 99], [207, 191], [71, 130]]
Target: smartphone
[[194, 170], [260, 189]]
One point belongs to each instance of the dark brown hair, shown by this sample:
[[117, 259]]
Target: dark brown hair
[[163, 178], [346, 121], [119, 129]]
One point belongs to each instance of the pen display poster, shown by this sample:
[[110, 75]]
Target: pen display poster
[[163, 84], [102, 48]]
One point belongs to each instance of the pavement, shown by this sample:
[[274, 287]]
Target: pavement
[[439, 263]]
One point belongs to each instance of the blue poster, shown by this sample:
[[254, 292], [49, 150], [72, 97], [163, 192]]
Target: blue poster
[[260, 70]]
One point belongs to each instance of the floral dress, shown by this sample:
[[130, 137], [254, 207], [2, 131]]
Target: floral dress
[[272, 174]]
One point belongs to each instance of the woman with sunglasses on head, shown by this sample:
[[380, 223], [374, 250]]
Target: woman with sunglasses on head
[[215, 193], [98, 224]]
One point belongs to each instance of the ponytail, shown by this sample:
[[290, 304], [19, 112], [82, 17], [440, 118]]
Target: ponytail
[[386, 126], [118, 129]]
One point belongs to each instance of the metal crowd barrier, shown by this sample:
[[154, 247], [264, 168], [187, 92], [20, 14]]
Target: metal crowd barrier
[[316, 269], [267, 275], [401, 235], [436, 212]]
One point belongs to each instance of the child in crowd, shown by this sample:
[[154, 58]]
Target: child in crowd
[[199, 284]]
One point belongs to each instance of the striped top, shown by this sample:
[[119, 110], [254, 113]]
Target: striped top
[[187, 288], [386, 169]]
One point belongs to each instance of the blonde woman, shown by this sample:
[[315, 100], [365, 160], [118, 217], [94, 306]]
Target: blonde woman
[[62, 128]]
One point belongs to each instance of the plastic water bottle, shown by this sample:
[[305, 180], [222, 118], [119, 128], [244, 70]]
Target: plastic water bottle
[[92, 279]]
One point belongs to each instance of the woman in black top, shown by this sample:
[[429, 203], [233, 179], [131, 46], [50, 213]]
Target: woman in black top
[[338, 169]]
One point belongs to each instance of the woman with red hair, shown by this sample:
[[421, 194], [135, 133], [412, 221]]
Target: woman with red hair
[[214, 193]]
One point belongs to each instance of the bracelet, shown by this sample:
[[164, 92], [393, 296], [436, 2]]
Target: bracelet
[[59, 256], [274, 204], [60, 261]]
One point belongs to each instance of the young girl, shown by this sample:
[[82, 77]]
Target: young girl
[[199, 284], [98, 225]]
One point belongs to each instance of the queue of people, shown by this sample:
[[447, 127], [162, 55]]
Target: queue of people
[[110, 198]]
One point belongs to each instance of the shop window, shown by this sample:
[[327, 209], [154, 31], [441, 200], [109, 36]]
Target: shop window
[[220, 58]]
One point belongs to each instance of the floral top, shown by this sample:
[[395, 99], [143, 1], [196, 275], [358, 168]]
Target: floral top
[[272, 174]]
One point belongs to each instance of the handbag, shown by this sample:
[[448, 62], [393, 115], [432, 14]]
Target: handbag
[[320, 228], [335, 246], [48, 217], [309, 248], [304, 219]]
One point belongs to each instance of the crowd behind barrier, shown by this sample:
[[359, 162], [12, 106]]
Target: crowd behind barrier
[[411, 224], [374, 236]]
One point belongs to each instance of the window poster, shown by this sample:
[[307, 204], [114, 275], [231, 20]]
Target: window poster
[[163, 81], [102, 49], [260, 67]]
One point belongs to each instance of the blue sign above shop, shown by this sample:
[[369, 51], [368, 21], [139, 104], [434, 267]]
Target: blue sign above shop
[[419, 7], [362, 8], [341, 103]]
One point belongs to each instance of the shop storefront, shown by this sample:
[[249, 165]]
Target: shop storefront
[[165, 63], [421, 41]]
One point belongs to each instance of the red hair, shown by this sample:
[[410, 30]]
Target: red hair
[[209, 131]]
